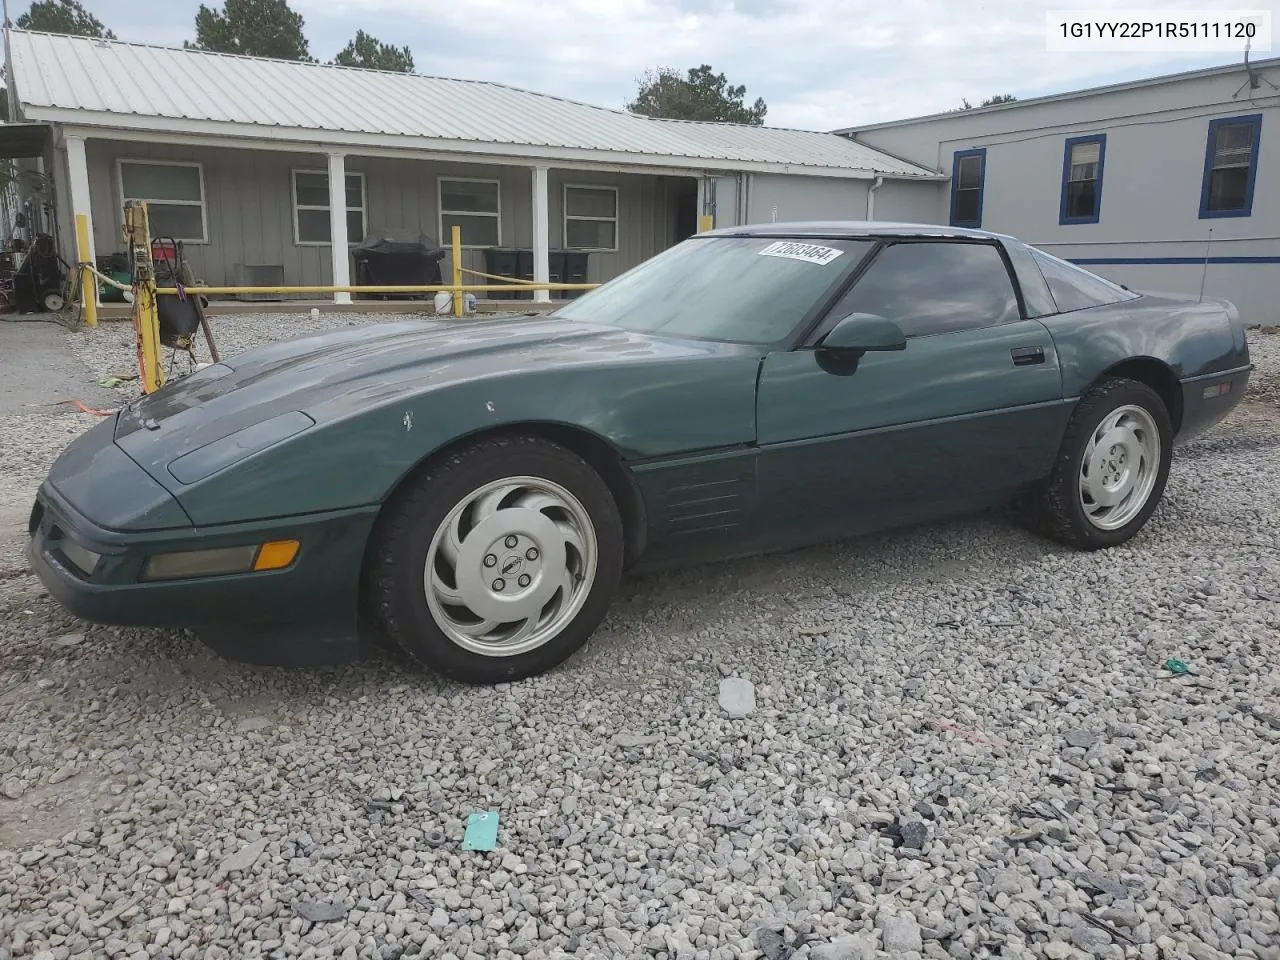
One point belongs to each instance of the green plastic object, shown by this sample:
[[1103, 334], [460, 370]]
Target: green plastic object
[[482, 831], [1176, 666]]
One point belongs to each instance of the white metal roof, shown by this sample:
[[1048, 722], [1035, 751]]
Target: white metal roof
[[1014, 105], [80, 80]]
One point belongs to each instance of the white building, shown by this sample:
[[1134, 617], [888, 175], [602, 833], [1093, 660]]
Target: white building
[[1142, 182]]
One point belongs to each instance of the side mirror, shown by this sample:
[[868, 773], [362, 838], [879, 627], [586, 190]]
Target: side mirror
[[860, 332]]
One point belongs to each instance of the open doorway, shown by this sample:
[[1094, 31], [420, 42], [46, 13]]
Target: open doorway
[[684, 197]]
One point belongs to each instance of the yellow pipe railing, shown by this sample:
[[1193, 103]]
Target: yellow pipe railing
[[440, 288], [137, 234]]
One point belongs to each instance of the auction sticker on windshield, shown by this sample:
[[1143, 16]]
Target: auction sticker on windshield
[[808, 252]]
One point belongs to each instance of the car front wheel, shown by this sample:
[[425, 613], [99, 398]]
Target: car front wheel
[[498, 562], [1112, 467]]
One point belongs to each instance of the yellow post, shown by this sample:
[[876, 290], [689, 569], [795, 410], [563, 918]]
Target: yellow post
[[146, 317], [706, 222], [88, 282], [457, 271]]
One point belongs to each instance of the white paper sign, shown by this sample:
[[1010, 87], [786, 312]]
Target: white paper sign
[[808, 252]]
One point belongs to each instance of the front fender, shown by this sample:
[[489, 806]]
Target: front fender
[[360, 448]]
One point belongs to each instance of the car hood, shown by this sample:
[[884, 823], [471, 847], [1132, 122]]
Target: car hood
[[342, 373]]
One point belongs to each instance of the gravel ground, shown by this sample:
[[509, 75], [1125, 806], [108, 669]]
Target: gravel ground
[[964, 744]]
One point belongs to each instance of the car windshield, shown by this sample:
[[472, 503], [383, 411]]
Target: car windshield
[[750, 290]]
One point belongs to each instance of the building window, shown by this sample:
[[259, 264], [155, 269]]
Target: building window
[[590, 218], [174, 193], [476, 207], [1230, 166], [311, 225], [1082, 162], [968, 177]]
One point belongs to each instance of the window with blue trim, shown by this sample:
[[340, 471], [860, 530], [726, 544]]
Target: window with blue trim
[[1230, 166], [968, 178], [1082, 161]]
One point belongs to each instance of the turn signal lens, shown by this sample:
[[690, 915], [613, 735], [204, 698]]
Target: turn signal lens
[[276, 555]]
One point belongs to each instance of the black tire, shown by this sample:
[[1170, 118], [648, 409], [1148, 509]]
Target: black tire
[[1057, 509], [408, 522]]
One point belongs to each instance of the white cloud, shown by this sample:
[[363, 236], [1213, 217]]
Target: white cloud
[[819, 64]]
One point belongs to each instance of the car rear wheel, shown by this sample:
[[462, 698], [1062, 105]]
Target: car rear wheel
[[498, 562], [1112, 467]]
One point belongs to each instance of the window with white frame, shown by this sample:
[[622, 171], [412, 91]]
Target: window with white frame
[[311, 224], [174, 194], [590, 218], [475, 206]]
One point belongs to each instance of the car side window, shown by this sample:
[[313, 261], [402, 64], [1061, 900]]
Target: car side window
[[1073, 288], [929, 287]]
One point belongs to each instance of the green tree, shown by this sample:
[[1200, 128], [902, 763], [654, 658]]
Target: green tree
[[255, 28], [63, 16], [702, 95], [370, 53], [990, 101]]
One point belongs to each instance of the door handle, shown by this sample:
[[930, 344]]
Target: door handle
[[1023, 356]]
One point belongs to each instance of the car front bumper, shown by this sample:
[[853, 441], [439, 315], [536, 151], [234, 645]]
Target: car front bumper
[[304, 614]]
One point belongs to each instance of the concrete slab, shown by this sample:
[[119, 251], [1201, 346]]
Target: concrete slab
[[38, 370]]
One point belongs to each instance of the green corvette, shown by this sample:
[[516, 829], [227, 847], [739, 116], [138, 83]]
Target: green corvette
[[475, 488]]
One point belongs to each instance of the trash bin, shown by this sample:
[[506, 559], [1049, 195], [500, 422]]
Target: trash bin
[[575, 271], [501, 262], [524, 270], [394, 256], [555, 272]]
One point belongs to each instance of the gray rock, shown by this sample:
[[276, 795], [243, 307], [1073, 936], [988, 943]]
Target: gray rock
[[737, 696], [1091, 882], [244, 858], [1080, 738], [915, 834], [1090, 939], [319, 912], [772, 944], [901, 933], [858, 946], [634, 740]]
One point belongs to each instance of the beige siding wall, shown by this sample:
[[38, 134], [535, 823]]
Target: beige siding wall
[[249, 210]]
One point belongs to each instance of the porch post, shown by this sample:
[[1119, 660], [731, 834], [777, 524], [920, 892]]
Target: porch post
[[338, 225], [541, 234], [78, 175]]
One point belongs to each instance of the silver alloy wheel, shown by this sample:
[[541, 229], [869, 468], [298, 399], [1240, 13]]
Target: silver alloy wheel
[[1119, 467], [510, 566]]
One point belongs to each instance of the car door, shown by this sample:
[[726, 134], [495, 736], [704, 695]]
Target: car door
[[970, 411]]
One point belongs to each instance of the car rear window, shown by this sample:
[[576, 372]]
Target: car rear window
[[1074, 288]]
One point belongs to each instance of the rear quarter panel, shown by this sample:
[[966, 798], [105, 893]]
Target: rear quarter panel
[[1191, 339]]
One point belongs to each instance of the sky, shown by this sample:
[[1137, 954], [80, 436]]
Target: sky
[[818, 64]]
